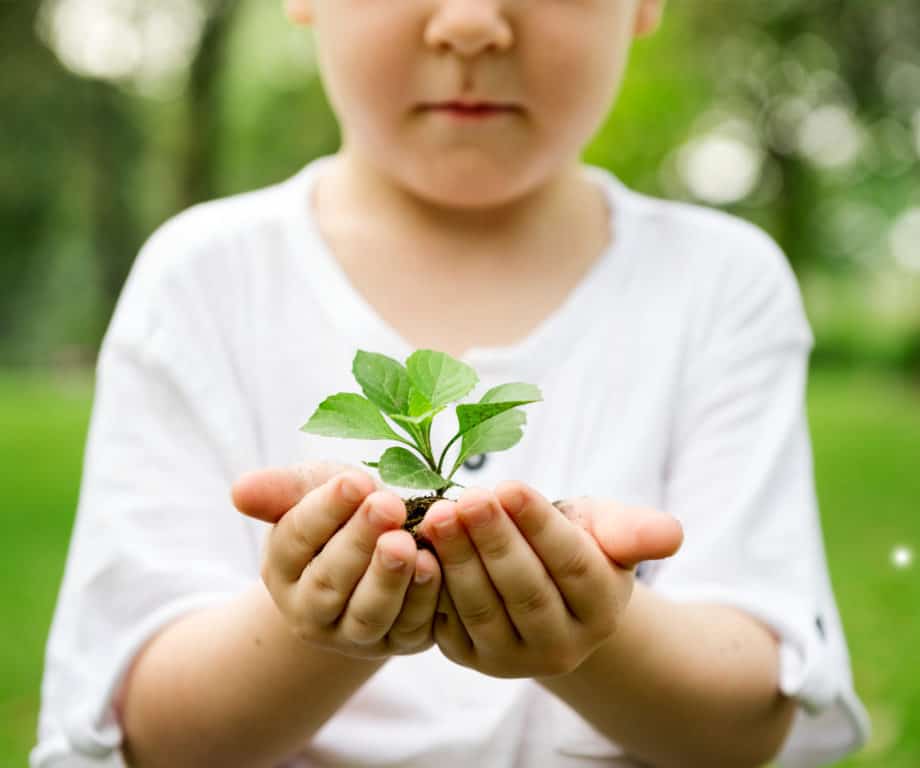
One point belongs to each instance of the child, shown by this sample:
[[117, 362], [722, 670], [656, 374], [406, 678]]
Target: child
[[671, 347]]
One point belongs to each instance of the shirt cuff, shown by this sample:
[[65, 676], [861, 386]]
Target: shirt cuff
[[831, 721]]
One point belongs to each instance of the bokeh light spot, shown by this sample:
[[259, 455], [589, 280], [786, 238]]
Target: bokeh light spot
[[902, 557], [831, 137], [904, 240], [121, 40], [720, 169]]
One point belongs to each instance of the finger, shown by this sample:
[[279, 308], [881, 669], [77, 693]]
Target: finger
[[478, 604], [576, 565], [267, 494], [449, 632], [379, 595], [530, 596], [297, 537], [329, 580], [629, 535], [573, 511], [413, 626]]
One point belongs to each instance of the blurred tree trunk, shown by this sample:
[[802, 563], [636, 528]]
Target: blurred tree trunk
[[114, 149], [796, 211], [198, 177], [31, 164]]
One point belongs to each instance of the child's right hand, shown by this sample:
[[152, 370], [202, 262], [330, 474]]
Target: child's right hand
[[341, 570]]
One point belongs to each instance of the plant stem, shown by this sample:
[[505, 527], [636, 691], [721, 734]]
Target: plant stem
[[423, 454], [426, 439], [444, 453], [411, 445], [455, 468], [420, 443]]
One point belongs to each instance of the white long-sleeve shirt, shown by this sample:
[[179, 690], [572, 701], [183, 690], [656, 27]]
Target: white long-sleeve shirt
[[673, 376]]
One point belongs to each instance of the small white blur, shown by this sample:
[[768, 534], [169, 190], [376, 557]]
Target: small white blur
[[902, 557]]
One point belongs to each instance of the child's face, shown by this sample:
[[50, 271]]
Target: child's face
[[557, 63]]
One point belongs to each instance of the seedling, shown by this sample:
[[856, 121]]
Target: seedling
[[411, 396]]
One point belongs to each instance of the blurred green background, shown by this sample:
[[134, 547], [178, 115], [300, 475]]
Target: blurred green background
[[802, 116]]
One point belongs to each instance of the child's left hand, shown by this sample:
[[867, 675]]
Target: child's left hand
[[526, 591]]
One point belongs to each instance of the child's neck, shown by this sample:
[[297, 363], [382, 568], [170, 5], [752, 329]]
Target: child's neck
[[526, 225]]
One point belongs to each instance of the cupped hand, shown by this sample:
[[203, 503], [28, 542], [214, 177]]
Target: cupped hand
[[529, 592], [626, 534], [339, 567]]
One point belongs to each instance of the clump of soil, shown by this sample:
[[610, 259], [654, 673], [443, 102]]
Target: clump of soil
[[417, 506]]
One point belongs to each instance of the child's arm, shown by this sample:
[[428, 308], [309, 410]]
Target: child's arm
[[684, 686], [635, 667], [232, 686], [696, 648], [249, 682]]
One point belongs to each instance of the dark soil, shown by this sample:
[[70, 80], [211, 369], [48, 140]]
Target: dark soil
[[417, 506]]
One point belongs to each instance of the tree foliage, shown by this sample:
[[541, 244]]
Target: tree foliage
[[92, 166]]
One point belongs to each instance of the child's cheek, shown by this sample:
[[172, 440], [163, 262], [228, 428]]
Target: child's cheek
[[575, 43], [367, 61]]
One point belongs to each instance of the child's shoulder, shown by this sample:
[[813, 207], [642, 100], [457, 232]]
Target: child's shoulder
[[708, 251], [201, 254], [218, 224], [711, 262], [705, 238]]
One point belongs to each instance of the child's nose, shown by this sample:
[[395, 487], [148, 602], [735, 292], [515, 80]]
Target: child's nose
[[469, 27]]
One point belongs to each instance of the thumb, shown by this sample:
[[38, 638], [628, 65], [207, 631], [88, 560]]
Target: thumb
[[267, 494], [628, 535]]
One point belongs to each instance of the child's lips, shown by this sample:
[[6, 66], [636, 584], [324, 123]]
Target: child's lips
[[472, 110]]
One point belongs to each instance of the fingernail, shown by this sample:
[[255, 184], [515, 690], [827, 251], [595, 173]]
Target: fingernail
[[351, 492], [447, 527], [390, 561], [514, 502], [478, 514], [423, 577], [378, 517], [570, 512]]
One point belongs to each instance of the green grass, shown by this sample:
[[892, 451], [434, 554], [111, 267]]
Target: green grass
[[866, 436], [41, 453]]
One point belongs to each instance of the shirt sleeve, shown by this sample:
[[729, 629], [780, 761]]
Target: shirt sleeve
[[156, 535], [739, 477]]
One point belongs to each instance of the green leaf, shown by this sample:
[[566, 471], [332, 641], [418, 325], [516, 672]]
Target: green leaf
[[497, 400], [399, 466], [419, 410], [417, 420], [440, 378], [495, 434], [349, 415], [516, 390], [420, 413], [371, 463], [418, 403], [384, 381]]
